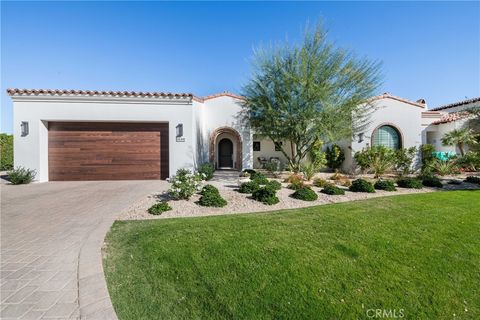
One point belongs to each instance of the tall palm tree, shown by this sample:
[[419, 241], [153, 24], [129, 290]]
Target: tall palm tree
[[460, 138]]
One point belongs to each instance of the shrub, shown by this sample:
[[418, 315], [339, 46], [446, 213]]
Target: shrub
[[317, 156], [338, 176], [259, 178], [309, 170], [249, 187], [159, 207], [404, 160], [184, 184], [361, 185], [332, 189], [469, 162], [377, 159], [296, 185], [21, 175], [432, 181], [206, 169], [426, 151], [6, 151], [386, 185], [274, 184], [443, 168], [208, 189], [410, 183], [293, 178], [334, 156], [247, 172], [273, 167], [473, 179], [305, 194], [211, 197], [344, 182], [266, 196], [319, 182]]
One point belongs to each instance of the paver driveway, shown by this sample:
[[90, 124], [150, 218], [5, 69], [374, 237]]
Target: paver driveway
[[51, 238]]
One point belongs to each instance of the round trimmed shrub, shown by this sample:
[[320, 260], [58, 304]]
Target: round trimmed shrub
[[266, 196], [432, 181], [259, 178], [249, 187], [332, 189], [473, 179], [211, 197], [362, 185], [274, 184], [386, 185], [305, 194], [409, 183], [159, 207]]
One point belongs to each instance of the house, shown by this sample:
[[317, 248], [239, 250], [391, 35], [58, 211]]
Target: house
[[119, 135]]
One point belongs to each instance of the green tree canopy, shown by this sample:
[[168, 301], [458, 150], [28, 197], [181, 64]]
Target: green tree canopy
[[460, 138], [308, 93]]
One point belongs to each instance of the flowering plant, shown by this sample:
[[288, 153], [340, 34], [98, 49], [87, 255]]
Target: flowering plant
[[185, 183]]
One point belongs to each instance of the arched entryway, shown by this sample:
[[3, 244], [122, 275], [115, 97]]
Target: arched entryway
[[226, 148]]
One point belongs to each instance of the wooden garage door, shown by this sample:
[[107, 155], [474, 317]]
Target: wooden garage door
[[107, 151]]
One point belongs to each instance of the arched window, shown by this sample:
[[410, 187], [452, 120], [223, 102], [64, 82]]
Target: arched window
[[387, 136]]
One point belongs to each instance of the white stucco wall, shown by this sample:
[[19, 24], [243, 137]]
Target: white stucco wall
[[224, 111], [403, 116], [32, 151], [267, 150]]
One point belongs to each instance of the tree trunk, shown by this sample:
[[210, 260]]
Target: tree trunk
[[460, 147]]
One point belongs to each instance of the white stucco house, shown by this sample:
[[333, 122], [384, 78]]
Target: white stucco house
[[116, 135]]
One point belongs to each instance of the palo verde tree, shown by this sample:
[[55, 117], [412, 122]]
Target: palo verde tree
[[309, 93]]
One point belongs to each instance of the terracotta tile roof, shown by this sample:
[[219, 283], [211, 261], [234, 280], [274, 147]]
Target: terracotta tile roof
[[420, 103], [450, 117], [60, 92], [456, 104], [223, 94]]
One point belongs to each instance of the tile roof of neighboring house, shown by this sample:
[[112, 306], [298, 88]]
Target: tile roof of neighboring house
[[420, 103], [450, 117], [223, 94], [59, 92], [456, 104]]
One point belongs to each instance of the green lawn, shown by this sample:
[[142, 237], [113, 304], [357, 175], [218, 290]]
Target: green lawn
[[419, 253]]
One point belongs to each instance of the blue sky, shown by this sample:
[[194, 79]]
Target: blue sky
[[429, 50]]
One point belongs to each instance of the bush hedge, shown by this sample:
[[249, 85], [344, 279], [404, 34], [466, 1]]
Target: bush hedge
[[332, 189], [432, 181], [249, 187], [361, 185], [410, 183], [305, 194], [266, 195], [211, 197], [386, 185], [6, 151], [21, 175], [159, 208]]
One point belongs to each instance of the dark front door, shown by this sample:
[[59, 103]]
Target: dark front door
[[225, 153]]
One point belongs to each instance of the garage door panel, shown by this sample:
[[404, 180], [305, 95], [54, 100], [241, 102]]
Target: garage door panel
[[108, 151]]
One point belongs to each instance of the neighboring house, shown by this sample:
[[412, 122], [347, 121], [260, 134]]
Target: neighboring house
[[115, 135], [441, 120]]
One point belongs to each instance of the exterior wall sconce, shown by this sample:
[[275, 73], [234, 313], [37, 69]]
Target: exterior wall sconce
[[180, 137], [179, 130], [360, 137], [24, 127]]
